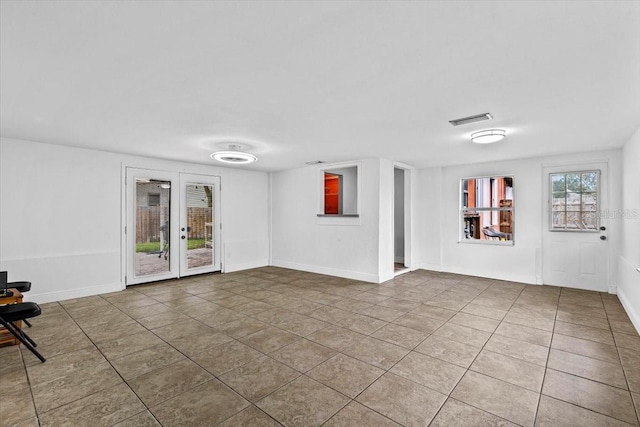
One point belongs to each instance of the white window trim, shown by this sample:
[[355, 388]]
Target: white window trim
[[461, 210], [343, 219], [550, 201]]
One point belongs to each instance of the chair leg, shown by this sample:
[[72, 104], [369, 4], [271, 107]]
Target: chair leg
[[10, 327], [27, 322], [24, 334]]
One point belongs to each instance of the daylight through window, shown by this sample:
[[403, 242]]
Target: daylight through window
[[574, 201], [487, 210]]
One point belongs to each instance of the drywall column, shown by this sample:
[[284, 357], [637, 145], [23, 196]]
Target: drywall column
[[386, 223], [628, 263]]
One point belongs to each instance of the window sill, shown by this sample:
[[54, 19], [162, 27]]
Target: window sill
[[488, 242], [349, 219]]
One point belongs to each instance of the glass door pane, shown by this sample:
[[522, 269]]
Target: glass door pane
[[152, 252], [153, 227], [199, 225]]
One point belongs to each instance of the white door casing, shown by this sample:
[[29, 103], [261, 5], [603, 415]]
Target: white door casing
[[172, 259]]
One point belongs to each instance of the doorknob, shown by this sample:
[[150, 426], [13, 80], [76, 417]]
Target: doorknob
[[603, 228], [603, 237], [182, 229], [184, 237]]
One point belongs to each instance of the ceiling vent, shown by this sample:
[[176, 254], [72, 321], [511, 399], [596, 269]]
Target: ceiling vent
[[314, 162], [471, 119]]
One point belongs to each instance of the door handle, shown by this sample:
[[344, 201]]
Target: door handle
[[603, 237], [184, 237]]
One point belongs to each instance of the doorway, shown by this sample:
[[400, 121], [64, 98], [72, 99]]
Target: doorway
[[399, 222], [173, 225], [575, 246]]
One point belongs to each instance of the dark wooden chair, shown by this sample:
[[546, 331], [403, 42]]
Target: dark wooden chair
[[21, 287], [12, 313]]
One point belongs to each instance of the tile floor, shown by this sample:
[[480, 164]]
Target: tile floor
[[270, 347]]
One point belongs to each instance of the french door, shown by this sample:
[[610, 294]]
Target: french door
[[173, 225]]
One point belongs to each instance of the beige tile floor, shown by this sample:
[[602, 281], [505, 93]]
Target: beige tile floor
[[270, 347]]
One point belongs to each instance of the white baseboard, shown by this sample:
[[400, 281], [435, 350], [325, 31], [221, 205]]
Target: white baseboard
[[630, 309], [230, 268], [66, 294], [497, 275], [347, 274], [387, 276], [430, 267], [629, 290]]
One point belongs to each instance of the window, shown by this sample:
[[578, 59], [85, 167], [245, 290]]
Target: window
[[574, 201], [339, 191], [487, 210]]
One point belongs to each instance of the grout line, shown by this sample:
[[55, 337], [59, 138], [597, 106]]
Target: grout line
[[26, 372], [544, 377], [314, 288], [109, 362]]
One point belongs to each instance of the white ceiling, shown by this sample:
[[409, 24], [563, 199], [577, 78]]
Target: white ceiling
[[332, 81]]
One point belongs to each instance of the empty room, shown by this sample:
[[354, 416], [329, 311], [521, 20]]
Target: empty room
[[319, 213]]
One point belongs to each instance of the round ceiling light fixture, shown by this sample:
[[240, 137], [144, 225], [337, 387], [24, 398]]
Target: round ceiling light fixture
[[234, 156], [488, 136]]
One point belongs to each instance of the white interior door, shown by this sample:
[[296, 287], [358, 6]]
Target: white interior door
[[575, 249], [172, 225], [199, 224]]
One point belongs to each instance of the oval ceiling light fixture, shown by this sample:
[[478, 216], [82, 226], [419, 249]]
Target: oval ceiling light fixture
[[234, 156], [488, 136]]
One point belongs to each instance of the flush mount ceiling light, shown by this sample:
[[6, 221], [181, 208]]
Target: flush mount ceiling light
[[488, 136], [234, 156]]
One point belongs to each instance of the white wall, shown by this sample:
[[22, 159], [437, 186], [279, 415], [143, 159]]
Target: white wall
[[344, 247], [61, 220], [428, 210], [438, 204], [61, 217], [628, 259]]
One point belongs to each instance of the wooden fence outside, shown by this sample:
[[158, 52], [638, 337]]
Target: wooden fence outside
[[148, 223]]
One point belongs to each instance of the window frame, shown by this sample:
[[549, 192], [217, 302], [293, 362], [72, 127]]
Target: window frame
[[345, 219], [596, 229], [462, 196], [330, 168]]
